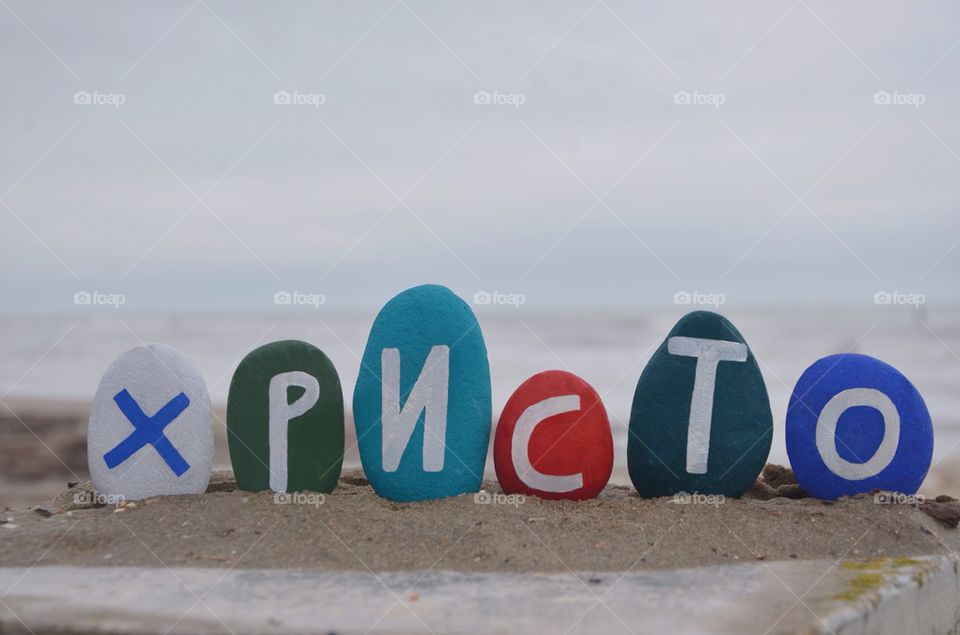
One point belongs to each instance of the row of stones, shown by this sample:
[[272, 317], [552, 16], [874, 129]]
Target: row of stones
[[700, 421]]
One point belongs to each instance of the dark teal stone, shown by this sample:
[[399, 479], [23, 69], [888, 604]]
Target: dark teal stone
[[740, 425]]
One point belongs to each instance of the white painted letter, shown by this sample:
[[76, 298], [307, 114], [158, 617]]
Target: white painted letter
[[709, 354], [281, 413], [429, 394], [827, 431], [520, 451]]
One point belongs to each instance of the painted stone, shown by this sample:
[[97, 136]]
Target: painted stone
[[422, 400], [701, 419], [855, 424], [150, 431], [553, 439], [285, 419]]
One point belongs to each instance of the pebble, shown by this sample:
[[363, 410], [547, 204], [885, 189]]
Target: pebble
[[150, 431], [553, 439], [701, 419], [422, 403], [856, 424], [285, 419]]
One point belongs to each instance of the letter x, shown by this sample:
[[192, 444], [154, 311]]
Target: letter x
[[149, 430]]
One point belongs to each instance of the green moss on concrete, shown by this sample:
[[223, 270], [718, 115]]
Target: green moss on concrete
[[860, 584], [872, 573], [885, 564]]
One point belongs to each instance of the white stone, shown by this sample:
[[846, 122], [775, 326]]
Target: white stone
[[153, 375]]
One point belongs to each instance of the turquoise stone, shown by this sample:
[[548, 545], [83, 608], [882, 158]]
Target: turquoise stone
[[422, 400]]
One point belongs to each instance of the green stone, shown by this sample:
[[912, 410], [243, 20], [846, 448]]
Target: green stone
[[285, 419], [701, 420]]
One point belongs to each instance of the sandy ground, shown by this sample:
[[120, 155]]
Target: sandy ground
[[353, 528], [42, 449]]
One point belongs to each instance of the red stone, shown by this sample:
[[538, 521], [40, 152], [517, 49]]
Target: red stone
[[569, 454]]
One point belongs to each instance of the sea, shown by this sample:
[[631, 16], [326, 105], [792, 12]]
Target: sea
[[63, 357]]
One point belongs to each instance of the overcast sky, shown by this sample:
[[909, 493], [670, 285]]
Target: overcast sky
[[582, 177]]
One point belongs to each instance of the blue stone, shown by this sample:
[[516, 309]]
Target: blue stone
[[422, 401], [855, 424]]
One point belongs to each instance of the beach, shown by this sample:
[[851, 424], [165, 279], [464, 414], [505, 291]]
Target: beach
[[50, 515], [43, 448], [354, 529], [51, 368], [163, 553], [43, 451]]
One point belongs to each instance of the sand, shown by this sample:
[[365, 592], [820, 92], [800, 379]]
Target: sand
[[354, 529], [42, 448]]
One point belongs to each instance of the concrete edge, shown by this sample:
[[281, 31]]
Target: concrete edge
[[896, 596], [879, 596]]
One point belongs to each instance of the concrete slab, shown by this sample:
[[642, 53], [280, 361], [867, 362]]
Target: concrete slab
[[879, 596]]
